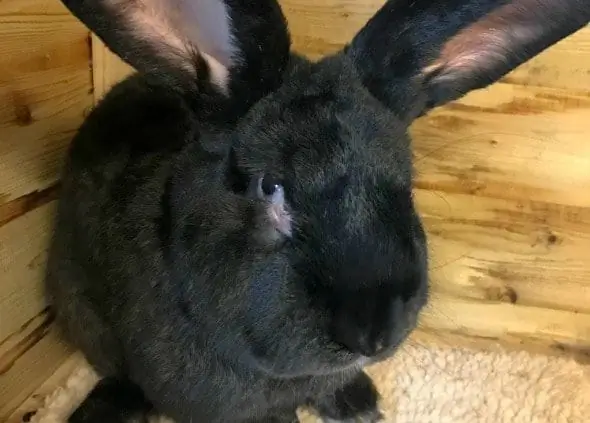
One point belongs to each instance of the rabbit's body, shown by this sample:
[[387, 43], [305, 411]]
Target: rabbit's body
[[145, 304], [236, 235]]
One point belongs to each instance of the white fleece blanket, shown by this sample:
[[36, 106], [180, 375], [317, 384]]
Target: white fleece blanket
[[436, 384]]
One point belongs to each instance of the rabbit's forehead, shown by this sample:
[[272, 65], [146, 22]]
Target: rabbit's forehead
[[317, 134], [329, 155], [323, 124]]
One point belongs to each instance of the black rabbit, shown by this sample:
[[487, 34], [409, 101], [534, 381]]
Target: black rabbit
[[236, 235]]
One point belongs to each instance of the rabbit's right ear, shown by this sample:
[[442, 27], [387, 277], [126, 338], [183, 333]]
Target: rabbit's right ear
[[417, 54], [224, 44]]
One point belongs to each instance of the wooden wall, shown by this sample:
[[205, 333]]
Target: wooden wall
[[45, 90], [503, 184]]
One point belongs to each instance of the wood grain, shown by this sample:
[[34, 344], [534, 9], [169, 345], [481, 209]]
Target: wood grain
[[564, 331], [23, 254], [17, 344], [523, 252], [32, 8], [323, 27], [107, 68], [58, 379], [28, 358], [45, 91], [509, 141], [24, 204]]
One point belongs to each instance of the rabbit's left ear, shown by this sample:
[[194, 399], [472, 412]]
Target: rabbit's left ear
[[231, 46], [428, 53]]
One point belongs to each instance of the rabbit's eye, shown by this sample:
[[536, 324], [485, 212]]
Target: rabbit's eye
[[270, 189], [269, 185]]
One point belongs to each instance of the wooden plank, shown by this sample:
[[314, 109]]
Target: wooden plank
[[28, 359], [108, 69], [45, 91], [508, 141], [516, 251], [565, 331], [49, 387], [16, 208], [23, 254], [508, 342], [32, 7], [323, 27], [15, 345], [36, 42]]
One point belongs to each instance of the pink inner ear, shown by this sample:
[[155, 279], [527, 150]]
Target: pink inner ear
[[487, 42], [211, 29], [180, 28]]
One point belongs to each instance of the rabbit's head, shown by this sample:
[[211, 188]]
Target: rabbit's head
[[334, 273]]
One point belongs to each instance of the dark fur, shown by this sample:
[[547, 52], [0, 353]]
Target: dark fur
[[113, 400], [162, 269]]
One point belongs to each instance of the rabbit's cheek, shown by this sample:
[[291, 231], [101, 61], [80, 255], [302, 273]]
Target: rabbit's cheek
[[279, 216]]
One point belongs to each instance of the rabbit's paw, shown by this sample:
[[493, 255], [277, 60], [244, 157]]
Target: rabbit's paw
[[356, 402], [373, 416], [279, 419]]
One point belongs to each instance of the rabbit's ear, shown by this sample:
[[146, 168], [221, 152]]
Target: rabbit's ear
[[429, 52], [188, 42]]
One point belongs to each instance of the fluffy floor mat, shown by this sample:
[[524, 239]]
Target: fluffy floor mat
[[435, 384]]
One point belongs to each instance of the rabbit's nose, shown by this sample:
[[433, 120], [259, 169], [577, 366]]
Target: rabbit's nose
[[372, 347], [363, 339], [379, 347]]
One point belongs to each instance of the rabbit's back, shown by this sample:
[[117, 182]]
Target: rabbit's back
[[111, 229], [113, 274]]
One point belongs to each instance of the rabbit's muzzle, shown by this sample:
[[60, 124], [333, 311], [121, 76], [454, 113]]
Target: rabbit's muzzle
[[373, 324]]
